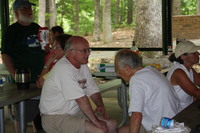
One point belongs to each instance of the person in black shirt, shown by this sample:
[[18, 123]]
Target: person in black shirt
[[21, 48]]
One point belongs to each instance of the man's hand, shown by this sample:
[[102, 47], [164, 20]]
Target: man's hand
[[97, 99], [100, 111]]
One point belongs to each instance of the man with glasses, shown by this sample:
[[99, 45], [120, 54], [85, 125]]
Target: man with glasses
[[64, 104], [21, 48]]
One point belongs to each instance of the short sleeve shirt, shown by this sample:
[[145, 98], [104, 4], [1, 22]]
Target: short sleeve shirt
[[63, 86], [22, 45], [153, 96]]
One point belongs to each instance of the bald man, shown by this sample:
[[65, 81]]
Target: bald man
[[64, 103]]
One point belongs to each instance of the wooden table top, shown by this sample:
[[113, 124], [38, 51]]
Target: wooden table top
[[190, 116], [9, 94]]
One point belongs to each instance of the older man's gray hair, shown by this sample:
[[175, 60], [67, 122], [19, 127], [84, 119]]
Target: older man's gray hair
[[127, 57]]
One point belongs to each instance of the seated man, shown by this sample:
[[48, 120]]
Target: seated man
[[151, 95], [64, 103]]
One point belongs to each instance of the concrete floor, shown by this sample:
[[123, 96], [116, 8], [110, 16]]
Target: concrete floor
[[110, 101]]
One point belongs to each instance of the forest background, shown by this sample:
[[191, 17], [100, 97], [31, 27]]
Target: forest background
[[108, 23], [97, 18]]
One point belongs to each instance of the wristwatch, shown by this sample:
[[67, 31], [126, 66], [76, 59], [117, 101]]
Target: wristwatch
[[45, 67]]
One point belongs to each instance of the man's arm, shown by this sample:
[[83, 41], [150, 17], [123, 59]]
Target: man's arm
[[97, 99], [86, 108], [196, 78], [9, 64], [135, 122]]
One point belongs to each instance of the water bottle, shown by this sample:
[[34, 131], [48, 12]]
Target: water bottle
[[169, 50], [167, 122], [134, 48]]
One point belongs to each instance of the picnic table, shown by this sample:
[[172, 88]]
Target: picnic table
[[10, 94]]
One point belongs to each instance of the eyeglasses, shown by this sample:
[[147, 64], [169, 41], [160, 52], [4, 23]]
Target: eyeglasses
[[84, 51]]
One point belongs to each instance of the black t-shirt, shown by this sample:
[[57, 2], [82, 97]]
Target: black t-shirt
[[22, 45]]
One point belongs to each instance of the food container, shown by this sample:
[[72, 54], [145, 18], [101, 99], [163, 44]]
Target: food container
[[23, 78], [105, 67]]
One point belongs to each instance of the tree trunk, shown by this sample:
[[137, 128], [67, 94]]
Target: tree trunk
[[107, 31], [148, 23], [52, 11], [122, 12], [198, 6], [41, 13], [116, 12], [76, 19], [130, 12], [62, 13], [73, 13], [176, 7], [48, 12], [96, 33]]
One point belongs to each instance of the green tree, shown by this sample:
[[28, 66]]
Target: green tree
[[130, 12], [188, 7], [107, 30], [97, 12]]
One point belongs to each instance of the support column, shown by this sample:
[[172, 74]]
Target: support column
[[166, 25], [4, 11]]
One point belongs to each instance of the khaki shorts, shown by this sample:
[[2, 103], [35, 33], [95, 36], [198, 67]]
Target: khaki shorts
[[64, 123]]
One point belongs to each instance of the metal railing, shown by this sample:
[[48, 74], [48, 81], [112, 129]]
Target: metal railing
[[118, 48]]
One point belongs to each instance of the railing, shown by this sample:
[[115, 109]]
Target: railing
[[118, 48]]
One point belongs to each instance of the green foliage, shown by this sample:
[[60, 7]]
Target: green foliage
[[65, 14], [86, 17], [188, 7]]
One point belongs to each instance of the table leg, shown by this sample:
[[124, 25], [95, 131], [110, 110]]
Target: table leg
[[119, 97], [2, 127], [123, 98], [22, 124]]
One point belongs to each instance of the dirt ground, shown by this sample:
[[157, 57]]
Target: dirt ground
[[122, 37]]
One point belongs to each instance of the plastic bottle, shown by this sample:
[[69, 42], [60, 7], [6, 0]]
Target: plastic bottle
[[169, 50], [167, 122], [134, 48]]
